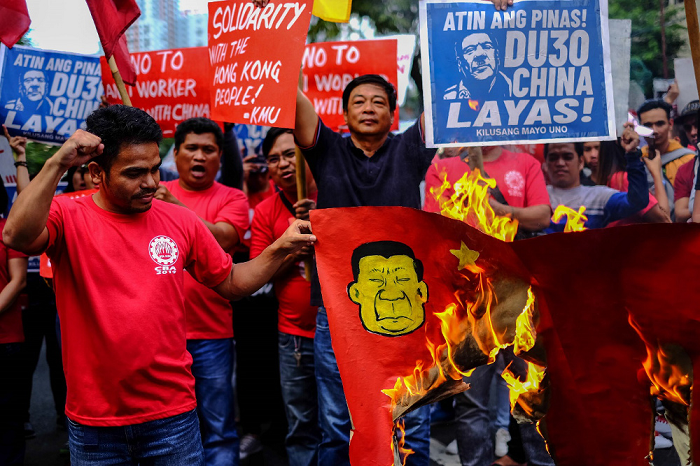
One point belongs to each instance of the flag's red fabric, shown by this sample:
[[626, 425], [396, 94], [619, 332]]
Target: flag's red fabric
[[14, 21], [112, 18], [588, 286]]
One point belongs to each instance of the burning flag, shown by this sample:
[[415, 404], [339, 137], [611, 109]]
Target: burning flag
[[416, 300]]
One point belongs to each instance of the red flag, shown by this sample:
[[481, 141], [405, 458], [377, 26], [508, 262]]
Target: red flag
[[112, 18], [14, 21], [406, 283]]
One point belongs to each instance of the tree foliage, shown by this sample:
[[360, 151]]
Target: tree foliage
[[646, 31]]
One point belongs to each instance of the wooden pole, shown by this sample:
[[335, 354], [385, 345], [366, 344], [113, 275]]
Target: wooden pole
[[301, 178], [301, 194], [691, 17], [120, 82]]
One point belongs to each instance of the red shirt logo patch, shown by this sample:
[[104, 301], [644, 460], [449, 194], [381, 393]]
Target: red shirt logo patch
[[164, 252]]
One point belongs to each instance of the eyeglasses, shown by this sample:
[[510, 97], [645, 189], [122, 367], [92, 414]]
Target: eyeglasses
[[275, 160]]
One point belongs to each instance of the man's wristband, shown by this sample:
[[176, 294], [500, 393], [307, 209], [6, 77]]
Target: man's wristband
[[21, 163]]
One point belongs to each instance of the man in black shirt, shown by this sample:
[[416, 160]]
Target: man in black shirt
[[371, 167]]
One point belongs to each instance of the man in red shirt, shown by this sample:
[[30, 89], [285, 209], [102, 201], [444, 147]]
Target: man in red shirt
[[224, 210], [119, 258], [296, 317], [518, 177]]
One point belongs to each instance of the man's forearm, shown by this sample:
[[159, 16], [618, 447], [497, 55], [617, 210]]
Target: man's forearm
[[248, 277], [30, 211], [533, 218], [9, 294]]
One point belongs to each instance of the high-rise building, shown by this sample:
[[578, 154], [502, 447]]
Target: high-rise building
[[192, 29], [156, 28]]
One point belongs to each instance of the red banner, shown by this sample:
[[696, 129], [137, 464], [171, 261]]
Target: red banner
[[172, 86], [415, 300], [255, 54], [330, 66]]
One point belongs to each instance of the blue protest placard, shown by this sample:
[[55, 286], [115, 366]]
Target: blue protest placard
[[537, 72], [46, 96]]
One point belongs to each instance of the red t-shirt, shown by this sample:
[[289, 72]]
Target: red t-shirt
[[518, 177], [296, 315], [683, 184], [209, 315], [119, 282], [11, 330]]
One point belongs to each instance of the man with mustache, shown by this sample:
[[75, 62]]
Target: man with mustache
[[119, 258], [224, 210], [479, 62], [32, 94]]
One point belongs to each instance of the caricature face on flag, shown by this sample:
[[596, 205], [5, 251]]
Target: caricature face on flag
[[539, 71], [415, 300]]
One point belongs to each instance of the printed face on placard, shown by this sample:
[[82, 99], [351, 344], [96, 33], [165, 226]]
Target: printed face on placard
[[479, 56], [34, 85], [390, 294]]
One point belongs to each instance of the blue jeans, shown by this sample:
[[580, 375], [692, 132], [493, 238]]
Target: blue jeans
[[475, 434], [334, 419], [212, 368], [296, 355], [173, 441]]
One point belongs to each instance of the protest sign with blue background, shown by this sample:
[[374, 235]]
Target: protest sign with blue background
[[46, 96], [539, 71]]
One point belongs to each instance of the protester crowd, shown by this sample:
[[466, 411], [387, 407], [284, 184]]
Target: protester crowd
[[149, 356]]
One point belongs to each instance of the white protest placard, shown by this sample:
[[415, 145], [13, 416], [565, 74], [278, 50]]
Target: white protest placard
[[685, 75], [621, 38]]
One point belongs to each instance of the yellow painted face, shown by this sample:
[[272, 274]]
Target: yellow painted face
[[389, 294]]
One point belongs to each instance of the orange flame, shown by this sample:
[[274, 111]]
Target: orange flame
[[401, 449], [474, 104], [667, 378], [574, 219], [535, 374], [525, 333], [470, 204]]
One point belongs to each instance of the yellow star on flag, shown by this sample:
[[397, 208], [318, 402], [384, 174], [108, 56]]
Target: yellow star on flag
[[465, 255]]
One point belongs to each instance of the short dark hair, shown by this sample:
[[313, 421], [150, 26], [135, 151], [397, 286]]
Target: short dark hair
[[370, 79], [385, 249], [652, 104], [578, 148], [118, 126], [198, 125], [271, 137]]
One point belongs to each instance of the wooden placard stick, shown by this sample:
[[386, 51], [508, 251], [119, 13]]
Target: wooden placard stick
[[691, 17], [120, 82], [301, 181]]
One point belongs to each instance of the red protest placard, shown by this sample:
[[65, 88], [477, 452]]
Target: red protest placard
[[330, 66], [255, 55], [173, 85]]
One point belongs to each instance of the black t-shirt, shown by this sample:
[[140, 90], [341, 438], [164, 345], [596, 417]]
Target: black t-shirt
[[346, 177]]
